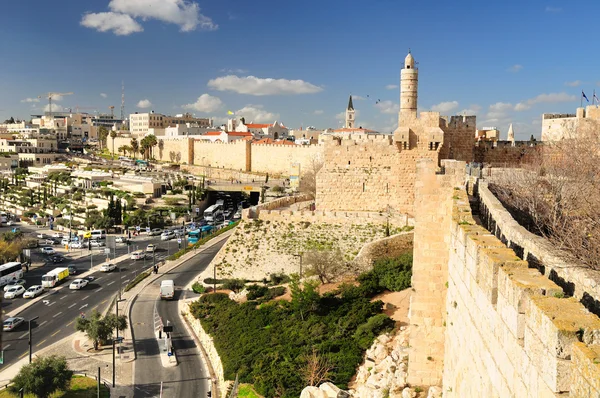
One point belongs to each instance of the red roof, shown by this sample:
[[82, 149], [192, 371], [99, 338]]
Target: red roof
[[257, 126], [358, 130], [271, 141], [213, 133], [239, 134]]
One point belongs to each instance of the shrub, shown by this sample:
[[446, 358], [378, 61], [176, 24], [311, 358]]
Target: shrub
[[366, 333], [392, 274], [137, 280], [278, 279], [43, 376], [234, 284], [198, 288], [255, 291]]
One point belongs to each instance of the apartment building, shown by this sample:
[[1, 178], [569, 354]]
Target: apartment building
[[141, 123]]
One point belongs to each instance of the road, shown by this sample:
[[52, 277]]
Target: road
[[58, 310], [187, 378]]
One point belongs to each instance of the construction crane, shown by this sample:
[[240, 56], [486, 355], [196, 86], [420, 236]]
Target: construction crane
[[112, 111], [77, 108], [50, 96]]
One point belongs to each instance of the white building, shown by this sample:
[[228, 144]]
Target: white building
[[274, 131], [223, 136]]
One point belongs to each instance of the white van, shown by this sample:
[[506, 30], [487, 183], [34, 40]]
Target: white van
[[98, 234], [138, 255], [167, 289]]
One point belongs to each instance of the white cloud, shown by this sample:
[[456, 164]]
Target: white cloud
[[235, 71], [184, 13], [31, 100], [444, 107], [387, 107], [551, 98], [103, 95], [575, 83], [256, 114], [358, 98], [391, 87], [515, 68], [257, 86], [471, 110], [553, 9], [55, 108], [119, 24], [318, 112], [205, 103], [145, 103], [497, 111]]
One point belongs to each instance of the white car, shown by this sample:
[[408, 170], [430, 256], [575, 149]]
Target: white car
[[57, 235], [78, 284], [20, 282], [47, 250], [108, 267], [75, 245], [96, 243], [151, 248], [41, 236], [12, 323], [138, 255], [167, 235], [14, 292], [120, 239], [10, 223], [33, 291]]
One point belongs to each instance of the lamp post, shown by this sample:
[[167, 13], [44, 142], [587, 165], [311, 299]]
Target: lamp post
[[30, 342], [300, 256], [117, 301]]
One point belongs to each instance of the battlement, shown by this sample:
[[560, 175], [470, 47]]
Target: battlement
[[558, 115], [506, 144], [462, 122]]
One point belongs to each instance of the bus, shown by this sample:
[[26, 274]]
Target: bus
[[193, 237], [10, 272], [213, 212], [3, 217]]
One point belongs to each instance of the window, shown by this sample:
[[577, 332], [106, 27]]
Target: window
[[364, 187]]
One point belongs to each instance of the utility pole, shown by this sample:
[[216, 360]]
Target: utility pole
[[30, 341], [117, 301], [98, 394]]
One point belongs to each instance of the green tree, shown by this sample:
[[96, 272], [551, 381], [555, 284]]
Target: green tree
[[305, 297], [325, 264], [43, 377], [135, 146], [102, 135], [99, 329]]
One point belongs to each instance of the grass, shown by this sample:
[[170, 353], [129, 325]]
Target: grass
[[246, 391], [81, 387], [137, 280]]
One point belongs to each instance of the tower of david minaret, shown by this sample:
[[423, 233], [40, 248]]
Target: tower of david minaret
[[409, 81]]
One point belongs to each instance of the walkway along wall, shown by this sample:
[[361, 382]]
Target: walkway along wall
[[507, 330]]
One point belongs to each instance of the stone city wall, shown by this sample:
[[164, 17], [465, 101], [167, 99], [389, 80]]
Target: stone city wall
[[286, 201], [576, 281], [279, 158], [509, 331], [504, 153], [392, 246], [234, 155]]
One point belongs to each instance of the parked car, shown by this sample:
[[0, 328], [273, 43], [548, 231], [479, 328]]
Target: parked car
[[12, 323], [57, 258], [47, 250], [32, 243], [78, 284], [151, 248], [138, 255], [72, 269], [14, 292], [14, 283], [108, 267], [155, 232], [33, 291]]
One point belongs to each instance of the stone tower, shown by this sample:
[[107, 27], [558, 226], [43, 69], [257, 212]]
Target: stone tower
[[350, 119], [409, 80], [511, 134]]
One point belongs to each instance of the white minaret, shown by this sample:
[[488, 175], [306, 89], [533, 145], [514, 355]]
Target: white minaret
[[350, 120], [511, 134], [409, 80]]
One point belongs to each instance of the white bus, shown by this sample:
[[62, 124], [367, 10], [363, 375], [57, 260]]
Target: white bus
[[3, 217], [10, 272], [213, 212]]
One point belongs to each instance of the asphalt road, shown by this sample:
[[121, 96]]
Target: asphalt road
[[187, 378], [58, 310]]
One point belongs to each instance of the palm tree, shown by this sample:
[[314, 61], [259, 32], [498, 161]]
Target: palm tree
[[161, 147], [135, 146], [151, 142], [122, 148], [113, 135]]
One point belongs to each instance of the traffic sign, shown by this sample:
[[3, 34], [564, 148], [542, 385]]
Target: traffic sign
[[197, 210], [147, 229], [107, 251], [178, 240], [137, 228]]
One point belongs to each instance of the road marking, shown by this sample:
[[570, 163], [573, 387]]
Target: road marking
[[55, 333], [82, 307], [85, 298], [23, 335], [70, 323], [126, 280], [42, 323], [102, 302], [24, 354], [72, 305], [6, 346], [63, 297], [108, 284], [94, 308], [52, 303], [133, 272], [40, 343], [97, 290], [57, 314]]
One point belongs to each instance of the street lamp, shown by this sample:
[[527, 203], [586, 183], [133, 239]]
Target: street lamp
[[117, 301], [30, 342], [299, 255], [115, 341]]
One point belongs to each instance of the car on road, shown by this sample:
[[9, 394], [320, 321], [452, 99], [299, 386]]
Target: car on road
[[14, 292], [57, 258], [120, 239], [51, 241], [108, 267], [228, 214], [57, 235], [12, 323], [33, 291], [47, 250], [151, 248], [138, 255], [97, 243], [167, 235], [41, 235], [75, 245], [72, 269], [14, 283], [78, 284], [155, 232], [179, 232], [10, 223], [237, 215]]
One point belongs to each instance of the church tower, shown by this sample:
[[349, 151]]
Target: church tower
[[511, 135], [409, 80], [350, 120]]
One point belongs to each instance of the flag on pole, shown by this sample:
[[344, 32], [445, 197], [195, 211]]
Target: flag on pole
[[584, 96], [595, 97], [229, 113]]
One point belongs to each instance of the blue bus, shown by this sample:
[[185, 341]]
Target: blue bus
[[195, 235]]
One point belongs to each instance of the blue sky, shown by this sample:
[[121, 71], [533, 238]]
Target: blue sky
[[505, 61]]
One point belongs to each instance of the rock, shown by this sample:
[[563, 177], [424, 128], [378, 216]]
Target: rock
[[313, 392], [379, 352], [434, 392], [384, 339], [343, 394], [408, 393], [330, 389]]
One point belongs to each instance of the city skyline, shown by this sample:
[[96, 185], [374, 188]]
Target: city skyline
[[270, 62]]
